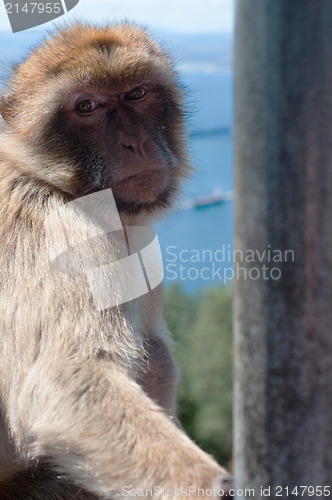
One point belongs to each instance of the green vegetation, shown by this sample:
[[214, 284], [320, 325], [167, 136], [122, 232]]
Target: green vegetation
[[202, 328]]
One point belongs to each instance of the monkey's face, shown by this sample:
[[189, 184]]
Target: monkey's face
[[102, 109], [121, 139]]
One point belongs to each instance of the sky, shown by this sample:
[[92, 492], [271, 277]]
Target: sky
[[185, 16]]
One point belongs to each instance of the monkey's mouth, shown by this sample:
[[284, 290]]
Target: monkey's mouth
[[141, 175], [140, 187]]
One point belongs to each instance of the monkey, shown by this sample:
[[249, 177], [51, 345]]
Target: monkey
[[88, 395]]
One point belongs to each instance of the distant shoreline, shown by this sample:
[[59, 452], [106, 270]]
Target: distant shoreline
[[212, 131]]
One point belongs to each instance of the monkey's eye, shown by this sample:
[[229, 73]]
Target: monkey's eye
[[87, 106], [136, 94]]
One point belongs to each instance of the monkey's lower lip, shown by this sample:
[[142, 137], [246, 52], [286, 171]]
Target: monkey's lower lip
[[141, 174], [140, 187]]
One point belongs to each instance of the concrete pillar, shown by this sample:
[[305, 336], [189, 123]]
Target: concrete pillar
[[283, 189]]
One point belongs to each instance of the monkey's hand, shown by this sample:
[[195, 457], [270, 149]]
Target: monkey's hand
[[99, 427], [223, 484]]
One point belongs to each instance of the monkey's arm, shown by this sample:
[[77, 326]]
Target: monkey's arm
[[125, 436]]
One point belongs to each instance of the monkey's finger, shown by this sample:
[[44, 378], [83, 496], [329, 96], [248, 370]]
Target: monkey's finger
[[222, 484]]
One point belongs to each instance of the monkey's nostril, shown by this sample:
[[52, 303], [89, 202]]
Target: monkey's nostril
[[129, 147]]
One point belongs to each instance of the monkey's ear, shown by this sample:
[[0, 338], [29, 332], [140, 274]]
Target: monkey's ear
[[6, 108]]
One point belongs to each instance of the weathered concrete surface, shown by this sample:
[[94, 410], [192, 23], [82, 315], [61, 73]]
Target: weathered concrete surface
[[283, 177]]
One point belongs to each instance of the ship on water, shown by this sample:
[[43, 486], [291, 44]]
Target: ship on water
[[215, 198]]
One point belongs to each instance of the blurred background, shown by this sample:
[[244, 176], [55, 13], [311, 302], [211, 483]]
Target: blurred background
[[197, 238]]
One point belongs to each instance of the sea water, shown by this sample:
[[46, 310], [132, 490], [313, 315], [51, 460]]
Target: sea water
[[197, 243]]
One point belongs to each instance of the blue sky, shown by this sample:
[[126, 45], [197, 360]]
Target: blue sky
[[190, 16]]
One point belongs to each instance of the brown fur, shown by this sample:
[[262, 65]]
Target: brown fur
[[87, 398]]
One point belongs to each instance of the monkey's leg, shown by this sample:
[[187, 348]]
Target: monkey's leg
[[103, 432]]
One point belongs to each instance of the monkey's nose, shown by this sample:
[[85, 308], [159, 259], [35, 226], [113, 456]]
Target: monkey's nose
[[137, 147]]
